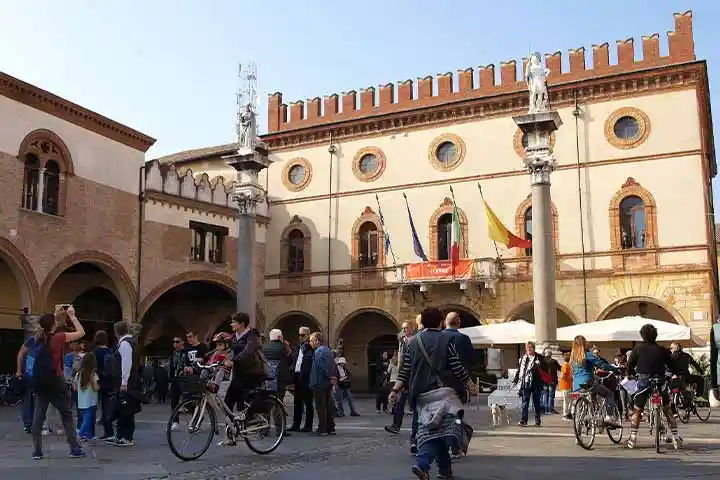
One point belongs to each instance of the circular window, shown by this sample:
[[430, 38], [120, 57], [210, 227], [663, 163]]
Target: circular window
[[525, 141], [368, 164], [627, 128], [296, 174], [447, 152]]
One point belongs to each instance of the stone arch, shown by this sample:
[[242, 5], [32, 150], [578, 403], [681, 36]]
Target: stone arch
[[669, 309], [111, 267], [368, 215], [291, 321], [361, 337], [447, 207], [461, 309], [24, 275], [514, 314], [30, 144], [520, 224], [194, 276]]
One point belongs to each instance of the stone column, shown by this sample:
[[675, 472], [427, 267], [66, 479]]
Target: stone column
[[540, 162], [40, 190], [246, 294]]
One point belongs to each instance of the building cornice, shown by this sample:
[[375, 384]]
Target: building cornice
[[56, 106], [198, 205], [594, 90]]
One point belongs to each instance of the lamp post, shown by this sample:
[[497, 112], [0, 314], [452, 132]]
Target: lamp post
[[250, 158], [537, 127]]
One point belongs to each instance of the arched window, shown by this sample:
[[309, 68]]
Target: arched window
[[31, 183], [444, 236], [369, 242], [633, 223], [51, 193], [527, 228], [296, 252]]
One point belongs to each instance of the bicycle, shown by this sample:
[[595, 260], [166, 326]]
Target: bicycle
[[9, 392], [262, 411], [686, 402], [589, 417], [658, 423]]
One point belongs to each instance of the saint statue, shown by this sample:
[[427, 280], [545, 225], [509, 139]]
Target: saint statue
[[247, 128], [536, 78]]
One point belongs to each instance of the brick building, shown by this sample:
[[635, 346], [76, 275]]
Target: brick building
[[79, 206], [632, 196]]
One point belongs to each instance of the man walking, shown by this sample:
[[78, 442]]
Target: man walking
[[323, 377], [128, 386], [303, 396], [406, 333]]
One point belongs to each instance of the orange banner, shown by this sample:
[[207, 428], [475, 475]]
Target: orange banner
[[440, 270]]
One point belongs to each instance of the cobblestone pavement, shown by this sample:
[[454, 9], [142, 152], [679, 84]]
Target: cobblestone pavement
[[362, 450]]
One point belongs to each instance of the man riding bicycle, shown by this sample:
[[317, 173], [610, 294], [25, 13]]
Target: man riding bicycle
[[683, 361], [650, 360]]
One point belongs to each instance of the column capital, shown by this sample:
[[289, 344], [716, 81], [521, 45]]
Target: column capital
[[247, 197], [540, 168]]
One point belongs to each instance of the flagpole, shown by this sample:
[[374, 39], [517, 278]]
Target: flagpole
[[497, 250], [386, 237]]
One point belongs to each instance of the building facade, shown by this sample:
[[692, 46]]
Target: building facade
[[631, 197], [86, 221]]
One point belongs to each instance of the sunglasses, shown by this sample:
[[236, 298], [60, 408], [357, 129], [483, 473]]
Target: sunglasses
[[177, 341]]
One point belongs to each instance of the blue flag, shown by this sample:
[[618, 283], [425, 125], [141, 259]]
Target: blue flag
[[382, 223], [417, 246]]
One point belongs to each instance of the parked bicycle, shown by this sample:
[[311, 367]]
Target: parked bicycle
[[589, 417], [686, 402], [9, 391], [263, 412]]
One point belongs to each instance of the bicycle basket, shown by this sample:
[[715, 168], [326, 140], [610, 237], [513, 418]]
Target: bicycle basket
[[190, 384]]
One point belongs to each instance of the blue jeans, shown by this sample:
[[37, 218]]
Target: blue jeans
[[548, 398], [434, 450], [344, 393], [526, 395], [28, 407], [414, 428], [87, 425]]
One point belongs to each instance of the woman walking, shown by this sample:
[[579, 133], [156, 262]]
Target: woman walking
[[530, 383]]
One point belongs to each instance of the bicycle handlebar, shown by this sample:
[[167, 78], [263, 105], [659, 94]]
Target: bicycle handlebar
[[199, 365]]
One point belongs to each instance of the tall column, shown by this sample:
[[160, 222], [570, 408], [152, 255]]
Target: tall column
[[245, 275], [40, 190]]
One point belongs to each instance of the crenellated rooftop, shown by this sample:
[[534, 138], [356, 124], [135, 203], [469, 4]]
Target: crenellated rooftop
[[479, 83]]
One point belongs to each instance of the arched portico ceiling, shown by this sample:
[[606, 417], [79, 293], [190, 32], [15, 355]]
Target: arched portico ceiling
[[629, 306], [524, 311], [464, 311], [23, 273]]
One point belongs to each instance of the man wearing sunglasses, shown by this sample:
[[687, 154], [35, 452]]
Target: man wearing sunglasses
[[175, 369]]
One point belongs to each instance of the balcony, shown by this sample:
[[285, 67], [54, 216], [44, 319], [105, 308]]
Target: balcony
[[469, 274]]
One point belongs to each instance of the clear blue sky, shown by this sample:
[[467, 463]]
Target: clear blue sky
[[169, 68]]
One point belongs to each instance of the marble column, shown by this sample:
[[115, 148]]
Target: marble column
[[540, 163]]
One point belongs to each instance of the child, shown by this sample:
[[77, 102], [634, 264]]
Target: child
[[86, 385], [566, 383], [220, 355]]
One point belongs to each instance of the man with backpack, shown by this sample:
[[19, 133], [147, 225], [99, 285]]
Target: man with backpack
[[104, 357], [49, 379], [25, 362], [127, 386]]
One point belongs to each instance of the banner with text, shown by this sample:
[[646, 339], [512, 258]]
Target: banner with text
[[440, 270]]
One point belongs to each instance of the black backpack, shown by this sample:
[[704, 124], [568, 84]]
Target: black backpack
[[43, 371]]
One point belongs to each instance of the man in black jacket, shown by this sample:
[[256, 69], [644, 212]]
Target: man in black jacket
[[127, 382], [279, 360], [683, 361], [303, 396]]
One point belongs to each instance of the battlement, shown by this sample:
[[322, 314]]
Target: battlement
[[441, 89]]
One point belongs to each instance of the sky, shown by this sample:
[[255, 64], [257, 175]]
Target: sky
[[169, 67]]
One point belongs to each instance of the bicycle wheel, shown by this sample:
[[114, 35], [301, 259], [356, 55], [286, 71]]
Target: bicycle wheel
[[197, 424], [584, 423], [683, 413], [702, 410], [657, 423], [261, 419], [615, 434]]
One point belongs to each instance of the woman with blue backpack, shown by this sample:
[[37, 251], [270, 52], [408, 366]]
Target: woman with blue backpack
[[49, 380]]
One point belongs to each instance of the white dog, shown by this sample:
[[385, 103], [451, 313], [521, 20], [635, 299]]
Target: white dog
[[499, 415]]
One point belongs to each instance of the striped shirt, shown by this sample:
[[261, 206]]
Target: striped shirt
[[453, 362]]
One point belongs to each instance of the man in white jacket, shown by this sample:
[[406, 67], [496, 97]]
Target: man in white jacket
[[407, 331]]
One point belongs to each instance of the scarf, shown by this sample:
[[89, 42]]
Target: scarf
[[527, 365]]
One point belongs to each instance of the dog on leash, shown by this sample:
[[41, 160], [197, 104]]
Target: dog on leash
[[499, 415]]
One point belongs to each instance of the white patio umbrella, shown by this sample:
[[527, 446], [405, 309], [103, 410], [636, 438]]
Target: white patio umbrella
[[627, 329], [507, 333]]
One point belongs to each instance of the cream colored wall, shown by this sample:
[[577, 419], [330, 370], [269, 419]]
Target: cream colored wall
[[675, 183], [10, 298], [179, 217], [95, 157]]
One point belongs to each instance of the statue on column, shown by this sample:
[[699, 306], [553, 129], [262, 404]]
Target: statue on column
[[536, 78], [247, 128]]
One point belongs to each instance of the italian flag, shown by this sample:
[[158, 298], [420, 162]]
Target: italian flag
[[455, 240]]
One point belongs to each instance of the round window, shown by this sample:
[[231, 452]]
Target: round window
[[627, 128], [446, 153], [296, 175], [368, 164], [525, 142]]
